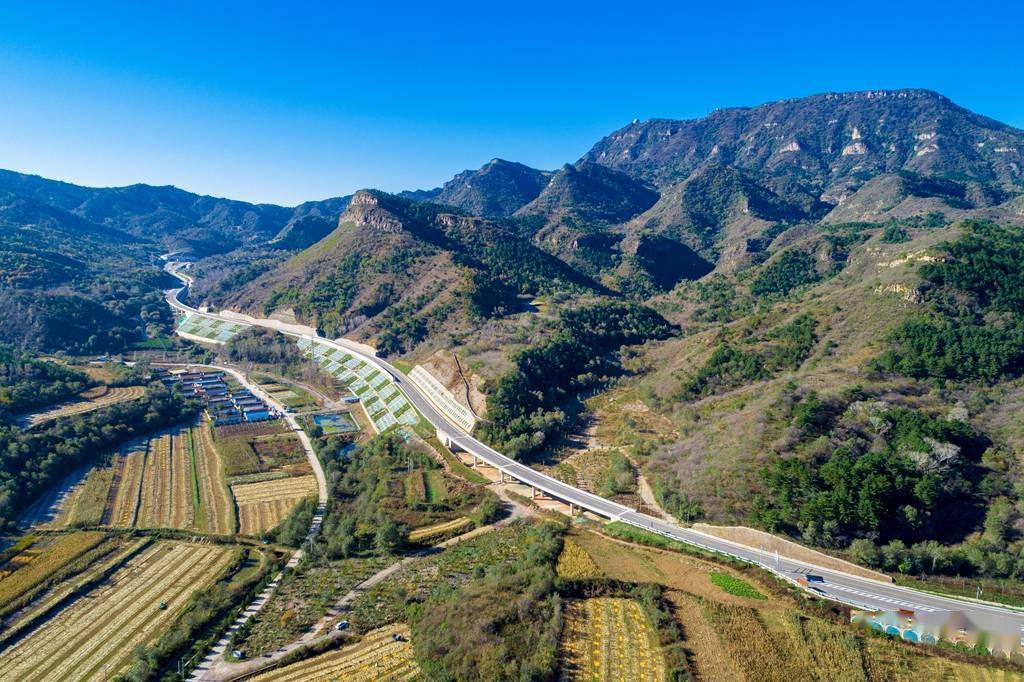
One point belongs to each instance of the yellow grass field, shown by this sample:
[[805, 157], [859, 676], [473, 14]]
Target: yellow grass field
[[574, 562], [216, 512], [262, 506], [90, 400], [375, 657], [93, 638], [611, 639]]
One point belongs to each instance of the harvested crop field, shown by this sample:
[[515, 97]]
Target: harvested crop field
[[93, 638], [216, 513], [733, 634], [377, 656], [35, 563], [440, 529], [123, 501], [607, 638], [87, 401], [262, 506], [166, 499]]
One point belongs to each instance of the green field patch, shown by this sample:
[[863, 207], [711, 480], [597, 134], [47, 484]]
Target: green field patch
[[437, 489], [735, 586]]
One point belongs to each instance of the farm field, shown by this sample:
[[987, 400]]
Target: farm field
[[173, 480], [166, 497], [92, 399], [36, 562], [215, 512], [439, 529], [607, 638], [250, 453], [377, 656], [574, 562], [67, 581], [262, 505], [93, 638]]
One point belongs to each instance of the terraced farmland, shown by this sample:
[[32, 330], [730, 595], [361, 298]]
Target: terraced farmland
[[608, 638], [93, 638], [87, 401], [174, 480], [262, 505], [377, 656]]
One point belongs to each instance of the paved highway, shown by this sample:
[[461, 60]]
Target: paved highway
[[849, 589]]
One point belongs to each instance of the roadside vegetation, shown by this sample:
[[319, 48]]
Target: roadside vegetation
[[526, 407]]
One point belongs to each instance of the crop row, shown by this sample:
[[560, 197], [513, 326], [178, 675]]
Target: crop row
[[295, 487], [216, 510], [257, 517], [155, 503], [126, 499], [377, 656], [182, 508], [439, 529], [59, 552], [91, 400], [609, 638], [94, 637]]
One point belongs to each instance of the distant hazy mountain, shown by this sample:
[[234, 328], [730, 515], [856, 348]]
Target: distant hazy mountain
[[168, 215], [77, 264]]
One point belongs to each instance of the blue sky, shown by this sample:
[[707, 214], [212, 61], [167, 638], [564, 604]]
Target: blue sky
[[285, 102]]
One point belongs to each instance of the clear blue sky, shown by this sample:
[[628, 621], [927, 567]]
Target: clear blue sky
[[288, 101]]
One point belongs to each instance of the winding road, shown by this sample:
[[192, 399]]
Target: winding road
[[856, 591]]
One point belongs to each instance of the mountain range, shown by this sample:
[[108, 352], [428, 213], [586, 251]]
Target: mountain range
[[650, 205]]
